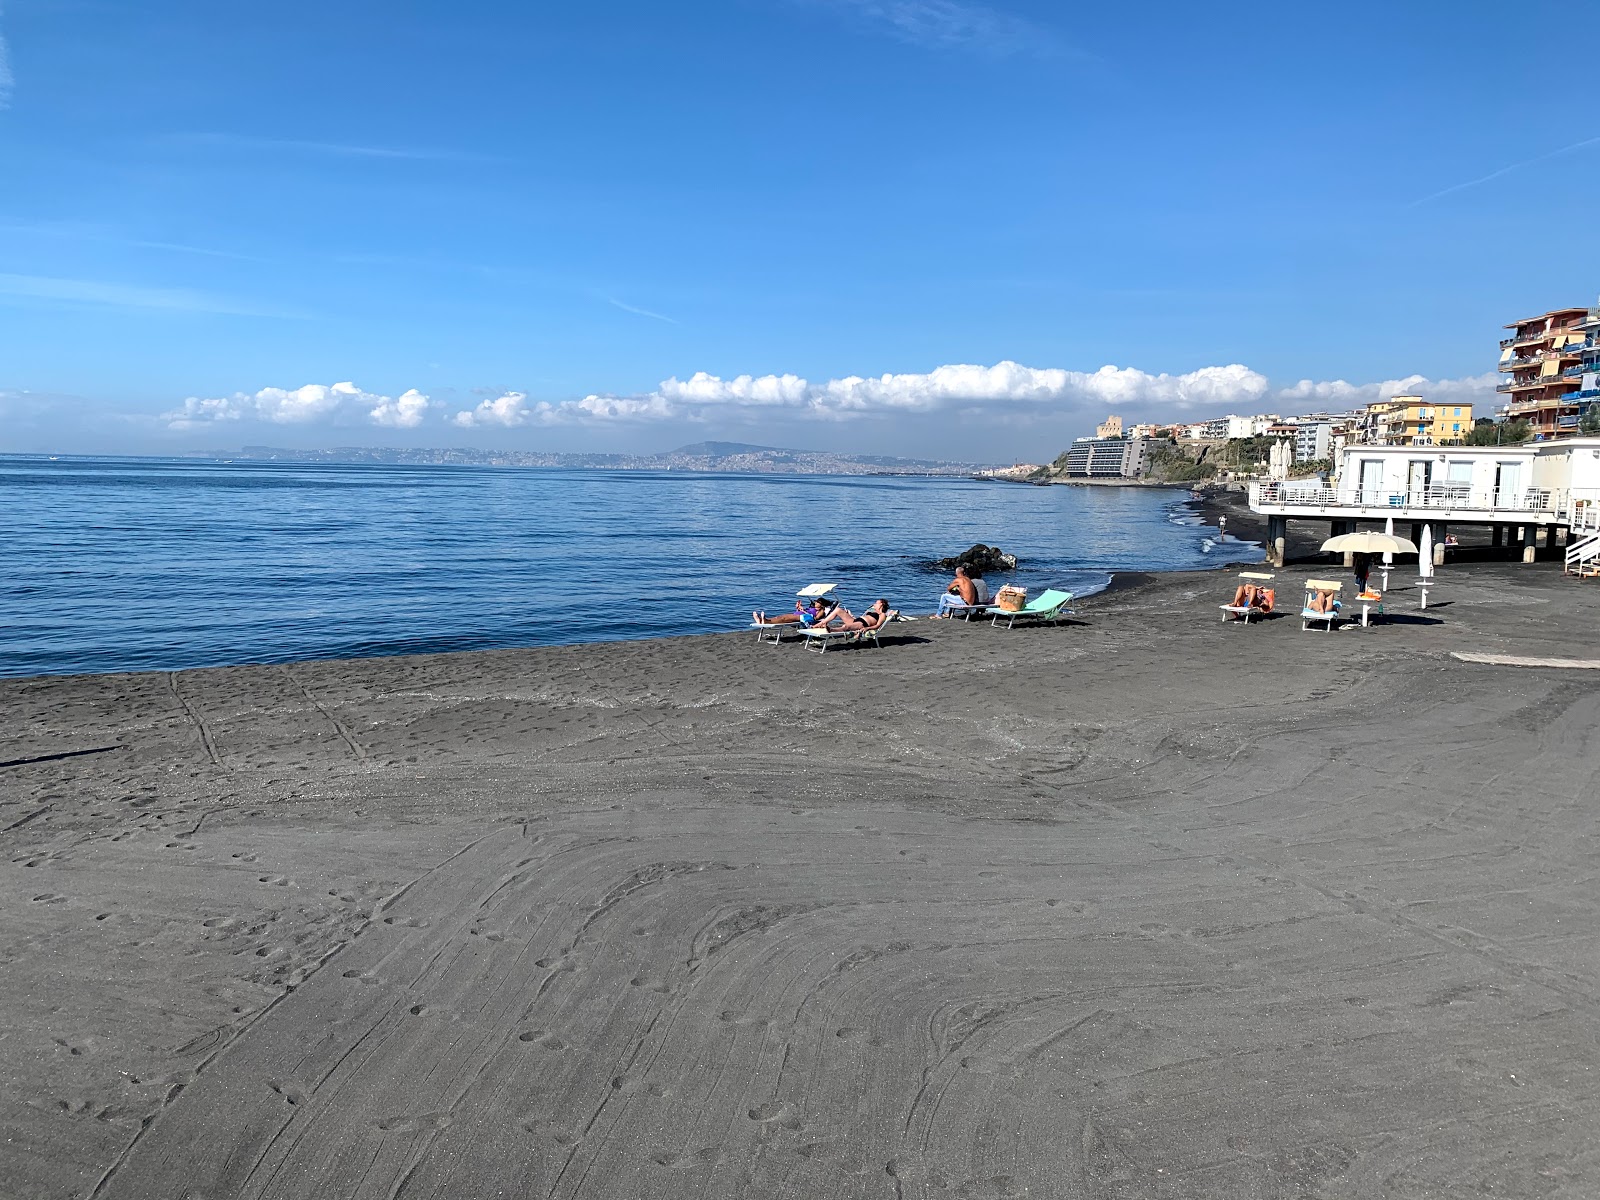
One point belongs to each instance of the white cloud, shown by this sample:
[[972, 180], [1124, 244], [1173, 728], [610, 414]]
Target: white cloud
[[5, 73], [1004, 390], [1006, 386], [339, 403], [949, 23], [124, 295], [406, 412], [639, 312], [1338, 394], [508, 411]]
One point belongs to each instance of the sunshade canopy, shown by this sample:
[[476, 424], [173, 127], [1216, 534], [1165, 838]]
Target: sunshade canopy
[[1367, 542]]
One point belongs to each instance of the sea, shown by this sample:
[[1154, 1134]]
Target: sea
[[139, 564]]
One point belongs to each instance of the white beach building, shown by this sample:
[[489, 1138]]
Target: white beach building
[[1514, 491]]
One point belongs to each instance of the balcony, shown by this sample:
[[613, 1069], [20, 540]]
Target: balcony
[[1530, 337], [1441, 498]]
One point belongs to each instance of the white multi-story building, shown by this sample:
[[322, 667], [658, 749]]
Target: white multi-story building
[[1515, 491], [1106, 458], [1313, 440]]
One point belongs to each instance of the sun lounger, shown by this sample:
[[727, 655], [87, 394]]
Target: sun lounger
[[775, 633], [820, 639], [1049, 606], [1309, 614], [1246, 611], [965, 611]]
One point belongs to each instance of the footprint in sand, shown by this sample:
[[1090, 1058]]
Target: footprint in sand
[[774, 1113], [433, 1121], [703, 1157]]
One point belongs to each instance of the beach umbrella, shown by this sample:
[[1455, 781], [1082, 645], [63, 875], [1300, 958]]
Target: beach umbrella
[[1425, 555], [1388, 555], [1367, 542]]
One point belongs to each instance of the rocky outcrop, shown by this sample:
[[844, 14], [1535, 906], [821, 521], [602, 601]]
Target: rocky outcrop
[[980, 560]]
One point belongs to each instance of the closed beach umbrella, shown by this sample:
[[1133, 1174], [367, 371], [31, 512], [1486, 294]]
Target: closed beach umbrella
[[1388, 555], [1425, 555], [1370, 543]]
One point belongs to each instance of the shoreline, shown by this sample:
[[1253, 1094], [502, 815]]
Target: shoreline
[[520, 898]]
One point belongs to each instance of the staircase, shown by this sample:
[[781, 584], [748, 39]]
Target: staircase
[[1583, 536]]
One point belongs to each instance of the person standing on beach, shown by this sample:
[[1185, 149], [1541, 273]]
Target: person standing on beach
[[1361, 564], [961, 591]]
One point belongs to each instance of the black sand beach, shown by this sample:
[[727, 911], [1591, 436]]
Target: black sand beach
[[1147, 905]]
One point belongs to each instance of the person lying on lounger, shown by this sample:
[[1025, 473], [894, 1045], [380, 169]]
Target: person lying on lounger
[[849, 623], [1250, 595], [808, 612], [1324, 601]]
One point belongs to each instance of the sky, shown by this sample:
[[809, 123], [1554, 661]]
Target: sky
[[927, 227]]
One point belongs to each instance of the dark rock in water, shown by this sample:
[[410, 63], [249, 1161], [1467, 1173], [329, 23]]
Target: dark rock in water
[[980, 560]]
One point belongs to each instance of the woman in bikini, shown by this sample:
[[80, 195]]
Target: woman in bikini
[[849, 623]]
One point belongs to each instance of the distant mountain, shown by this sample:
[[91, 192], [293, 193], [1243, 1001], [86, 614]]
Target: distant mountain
[[701, 456], [722, 450]]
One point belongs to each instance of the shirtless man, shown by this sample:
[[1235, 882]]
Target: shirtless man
[[961, 591]]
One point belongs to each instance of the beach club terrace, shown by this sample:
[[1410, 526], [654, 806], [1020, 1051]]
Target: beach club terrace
[[1515, 492]]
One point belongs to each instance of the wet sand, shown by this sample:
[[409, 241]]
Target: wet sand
[[1147, 905]]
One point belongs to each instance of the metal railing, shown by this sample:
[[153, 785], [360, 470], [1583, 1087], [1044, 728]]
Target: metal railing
[[1443, 496]]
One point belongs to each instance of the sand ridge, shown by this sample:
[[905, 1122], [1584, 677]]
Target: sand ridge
[[1147, 905]]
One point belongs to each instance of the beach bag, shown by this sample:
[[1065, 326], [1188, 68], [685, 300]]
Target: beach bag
[[1011, 599]]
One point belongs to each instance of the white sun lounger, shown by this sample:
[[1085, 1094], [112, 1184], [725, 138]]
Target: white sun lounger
[[774, 631], [1247, 610], [820, 639], [1309, 614]]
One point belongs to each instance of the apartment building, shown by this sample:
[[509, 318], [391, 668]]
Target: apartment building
[[1414, 421], [1545, 357], [1106, 458], [1313, 440], [1111, 427]]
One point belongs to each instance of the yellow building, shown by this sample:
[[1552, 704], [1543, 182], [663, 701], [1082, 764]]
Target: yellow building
[[1414, 421], [1109, 428]]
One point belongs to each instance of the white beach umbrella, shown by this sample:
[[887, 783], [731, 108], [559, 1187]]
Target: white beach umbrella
[[1388, 555], [1425, 555], [1367, 542]]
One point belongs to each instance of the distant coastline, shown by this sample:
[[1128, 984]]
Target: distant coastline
[[701, 456]]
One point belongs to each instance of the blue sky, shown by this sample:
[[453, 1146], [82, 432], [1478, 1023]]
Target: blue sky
[[577, 226]]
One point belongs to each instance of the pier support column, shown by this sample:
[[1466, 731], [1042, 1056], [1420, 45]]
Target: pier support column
[[1439, 532], [1277, 535], [1416, 533], [1497, 537], [1530, 537]]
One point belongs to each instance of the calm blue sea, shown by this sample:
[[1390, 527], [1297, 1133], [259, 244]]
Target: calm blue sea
[[122, 564]]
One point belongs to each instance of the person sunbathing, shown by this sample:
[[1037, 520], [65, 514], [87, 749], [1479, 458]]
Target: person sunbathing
[[1324, 601], [807, 612], [1250, 595], [872, 618]]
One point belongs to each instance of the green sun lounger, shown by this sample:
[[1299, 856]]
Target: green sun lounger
[[1048, 606]]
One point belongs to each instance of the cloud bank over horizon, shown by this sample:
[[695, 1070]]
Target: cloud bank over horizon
[[1006, 390]]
